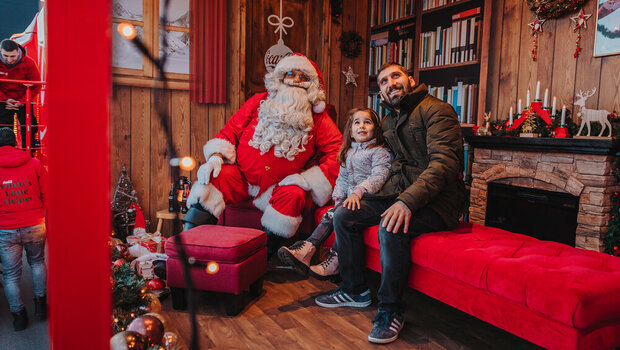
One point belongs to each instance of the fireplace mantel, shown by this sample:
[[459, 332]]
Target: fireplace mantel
[[546, 144]]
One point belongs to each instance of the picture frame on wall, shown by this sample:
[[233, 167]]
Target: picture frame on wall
[[607, 37]]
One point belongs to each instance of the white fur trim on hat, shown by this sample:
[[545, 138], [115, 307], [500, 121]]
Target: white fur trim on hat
[[319, 184], [296, 62], [318, 107], [222, 146], [208, 196], [280, 224]]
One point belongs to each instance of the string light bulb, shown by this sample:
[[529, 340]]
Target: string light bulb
[[213, 267], [127, 30], [187, 163]]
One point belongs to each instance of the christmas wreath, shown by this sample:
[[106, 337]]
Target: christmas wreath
[[554, 8], [351, 44]]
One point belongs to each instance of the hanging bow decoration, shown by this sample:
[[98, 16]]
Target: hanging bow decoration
[[278, 51]]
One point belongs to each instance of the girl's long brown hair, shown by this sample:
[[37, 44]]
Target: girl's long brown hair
[[346, 136]]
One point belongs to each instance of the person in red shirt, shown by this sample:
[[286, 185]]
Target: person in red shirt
[[22, 226], [14, 64]]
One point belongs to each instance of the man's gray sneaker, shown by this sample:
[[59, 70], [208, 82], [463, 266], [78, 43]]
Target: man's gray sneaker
[[386, 327], [338, 298]]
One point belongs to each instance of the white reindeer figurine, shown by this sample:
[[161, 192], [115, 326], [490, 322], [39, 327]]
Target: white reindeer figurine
[[591, 115]]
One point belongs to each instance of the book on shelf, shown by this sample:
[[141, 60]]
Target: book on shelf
[[457, 43], [395, 46], [374, 103], [431, 4], [462, 97], [383, 11]]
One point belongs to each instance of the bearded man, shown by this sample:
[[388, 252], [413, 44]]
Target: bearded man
[[279, 145]]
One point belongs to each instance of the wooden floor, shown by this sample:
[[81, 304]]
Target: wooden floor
[[286, 317]]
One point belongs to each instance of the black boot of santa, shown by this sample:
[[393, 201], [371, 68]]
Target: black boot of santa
[[196, 216]]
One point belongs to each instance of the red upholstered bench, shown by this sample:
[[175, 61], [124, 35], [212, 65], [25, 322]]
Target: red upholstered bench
[[240, 253], [551, 294]]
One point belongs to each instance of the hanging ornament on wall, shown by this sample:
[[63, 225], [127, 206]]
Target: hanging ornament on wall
[[350, 76], [536, 27], [278, 51], [579, 22], [336, 10]]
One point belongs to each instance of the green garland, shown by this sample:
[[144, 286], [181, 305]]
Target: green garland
[[603, 30], [498, 127], [554, 8]]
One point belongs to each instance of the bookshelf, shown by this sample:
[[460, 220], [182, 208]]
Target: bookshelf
[[443, 43]]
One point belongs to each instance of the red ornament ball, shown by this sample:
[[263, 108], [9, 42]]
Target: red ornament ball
[[156, 284], [150, 327], [119, 262]]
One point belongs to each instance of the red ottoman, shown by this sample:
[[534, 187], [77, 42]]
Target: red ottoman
[[241, 254]]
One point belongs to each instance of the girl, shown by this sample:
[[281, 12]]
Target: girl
[[364, 167]]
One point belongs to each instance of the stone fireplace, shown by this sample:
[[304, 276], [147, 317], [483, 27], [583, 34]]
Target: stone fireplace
[[580, 167]]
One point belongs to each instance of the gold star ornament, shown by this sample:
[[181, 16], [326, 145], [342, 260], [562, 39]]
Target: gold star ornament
[[580, 20], [350, 76]]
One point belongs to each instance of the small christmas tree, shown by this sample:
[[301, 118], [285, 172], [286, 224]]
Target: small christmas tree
[[123, 217], [529, 125], [129, 296]]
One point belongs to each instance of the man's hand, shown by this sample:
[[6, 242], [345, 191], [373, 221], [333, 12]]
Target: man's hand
[[295, 180], [352, 203], [213, 165], [396, 215]]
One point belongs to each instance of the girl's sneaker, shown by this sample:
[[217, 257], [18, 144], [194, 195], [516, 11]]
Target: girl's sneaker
[[298, 256], [328, 269]]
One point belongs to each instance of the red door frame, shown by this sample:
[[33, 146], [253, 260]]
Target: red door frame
[[79, 89]]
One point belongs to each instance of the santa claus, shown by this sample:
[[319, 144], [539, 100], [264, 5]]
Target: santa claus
[[279, 145]]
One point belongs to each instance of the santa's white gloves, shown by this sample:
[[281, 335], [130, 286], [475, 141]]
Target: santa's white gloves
[[213, 165], [295, 180]]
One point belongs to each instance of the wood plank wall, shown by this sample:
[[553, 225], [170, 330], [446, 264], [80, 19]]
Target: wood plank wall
[[355, 16], [138, 142], [135, 130], [512, 71]]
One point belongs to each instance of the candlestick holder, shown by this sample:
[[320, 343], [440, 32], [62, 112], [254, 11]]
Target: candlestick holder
[[534, 107], [561, 132]]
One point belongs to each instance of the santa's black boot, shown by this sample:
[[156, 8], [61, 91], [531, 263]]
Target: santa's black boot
[[196, 216]]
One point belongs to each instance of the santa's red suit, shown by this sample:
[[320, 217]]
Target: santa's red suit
[[248, 173]]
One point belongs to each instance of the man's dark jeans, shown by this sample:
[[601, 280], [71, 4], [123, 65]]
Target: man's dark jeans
[[395, 249], [6, 120]]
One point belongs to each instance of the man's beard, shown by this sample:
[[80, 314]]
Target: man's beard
[[394, 101], [284, 122]]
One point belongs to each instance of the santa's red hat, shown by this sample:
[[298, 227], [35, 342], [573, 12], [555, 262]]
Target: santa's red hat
[[310, 69]]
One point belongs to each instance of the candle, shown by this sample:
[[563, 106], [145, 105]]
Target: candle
[[510, 116], [546, 98], [537, 91], [563, 115], [519, 107], [553, 108], [527, 101]]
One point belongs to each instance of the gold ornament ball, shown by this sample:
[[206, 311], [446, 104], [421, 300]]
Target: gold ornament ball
[[171, 340], [154, 304]]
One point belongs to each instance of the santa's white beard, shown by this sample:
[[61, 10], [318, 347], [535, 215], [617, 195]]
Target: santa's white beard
[[284, 122]]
